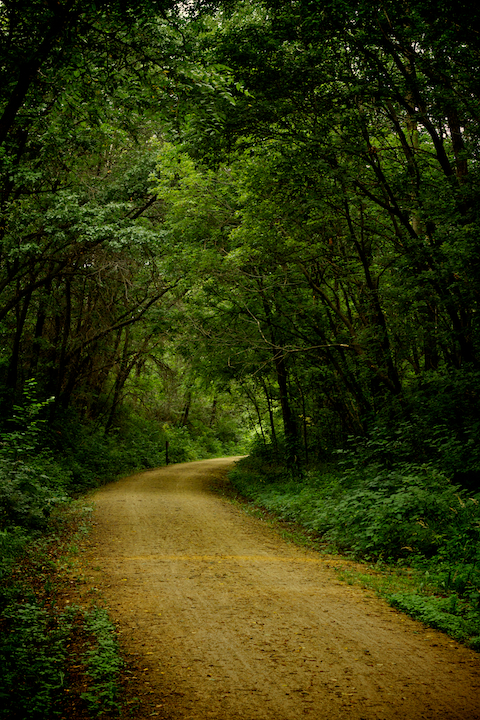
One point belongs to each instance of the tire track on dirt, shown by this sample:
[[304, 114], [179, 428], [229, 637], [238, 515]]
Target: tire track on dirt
[[227, 621]]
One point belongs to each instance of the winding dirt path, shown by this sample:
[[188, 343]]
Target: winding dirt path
[[227, 621]]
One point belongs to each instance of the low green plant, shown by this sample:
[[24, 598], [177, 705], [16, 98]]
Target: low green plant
[[27, 494], [32, 482], [103, 663], [450, 614], [33, 657], [12, 544], [33, 648]]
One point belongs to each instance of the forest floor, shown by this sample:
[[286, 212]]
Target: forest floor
[[219, 617]]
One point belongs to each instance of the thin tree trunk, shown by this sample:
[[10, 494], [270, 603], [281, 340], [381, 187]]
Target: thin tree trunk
[[12, 375], [270, 414]]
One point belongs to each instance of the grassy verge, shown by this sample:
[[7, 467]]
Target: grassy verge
[[417, 535], [58, 659]]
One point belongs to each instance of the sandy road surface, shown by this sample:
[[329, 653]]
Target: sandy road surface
[[229, 622]]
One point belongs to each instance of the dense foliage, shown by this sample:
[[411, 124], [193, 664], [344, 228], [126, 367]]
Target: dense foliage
[[275, 202], [90, 287], [339, 201]]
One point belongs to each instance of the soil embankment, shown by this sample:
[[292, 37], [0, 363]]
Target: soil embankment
[[227, 621]]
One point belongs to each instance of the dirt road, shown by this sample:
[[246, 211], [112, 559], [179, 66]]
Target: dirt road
[[227, 621]]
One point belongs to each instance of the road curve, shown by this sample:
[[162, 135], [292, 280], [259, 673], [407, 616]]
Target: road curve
[[227, 621]]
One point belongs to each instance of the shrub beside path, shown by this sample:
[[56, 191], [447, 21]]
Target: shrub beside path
[[223, 619]]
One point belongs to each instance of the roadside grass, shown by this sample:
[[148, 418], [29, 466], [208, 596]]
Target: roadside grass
[[103, 663], [409, 535], [59, 659], [409, 593]]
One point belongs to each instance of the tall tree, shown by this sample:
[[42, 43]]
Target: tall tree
[[352, 143]]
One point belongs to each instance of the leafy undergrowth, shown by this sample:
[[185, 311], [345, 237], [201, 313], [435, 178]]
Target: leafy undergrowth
[[418, 534], [102, 663], [58, 659]]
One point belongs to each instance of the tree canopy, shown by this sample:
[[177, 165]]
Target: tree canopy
[[280, 198]]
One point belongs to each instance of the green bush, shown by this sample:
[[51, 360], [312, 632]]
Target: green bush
[[32, 483], [32, 654], [450, 614], [391, 514], [103, 663], [12, 544], [27, 494], [414, 511]]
